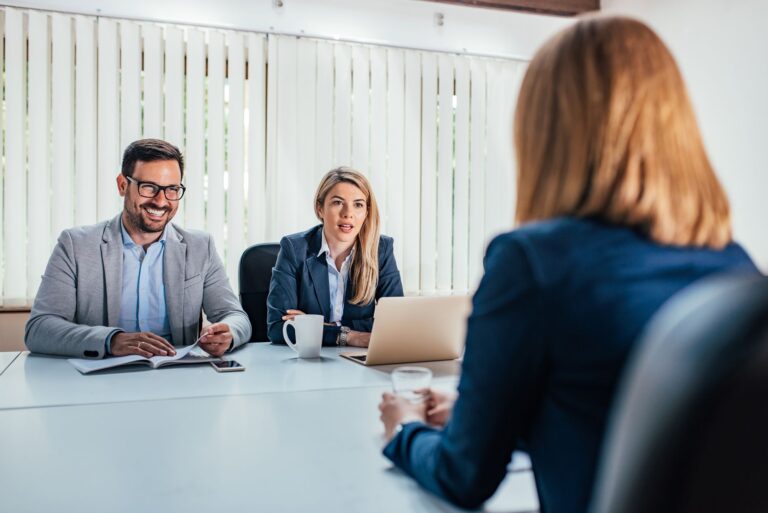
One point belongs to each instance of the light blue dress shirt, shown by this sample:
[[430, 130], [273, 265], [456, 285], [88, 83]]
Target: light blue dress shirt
[[337, 280], [142, 306]]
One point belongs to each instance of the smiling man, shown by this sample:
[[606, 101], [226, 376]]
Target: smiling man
[[136, 284]]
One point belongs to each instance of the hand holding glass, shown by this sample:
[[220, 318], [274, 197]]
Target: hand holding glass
[[406, 380]]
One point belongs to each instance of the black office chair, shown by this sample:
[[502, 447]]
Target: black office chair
[[255, 273], [690, 428]]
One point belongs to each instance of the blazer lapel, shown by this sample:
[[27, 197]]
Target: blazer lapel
[[318, 271], [349, 292], [174, 268], [112, 262]]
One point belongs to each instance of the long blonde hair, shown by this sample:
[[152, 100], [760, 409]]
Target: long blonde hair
[[604, 128], [365, 263]]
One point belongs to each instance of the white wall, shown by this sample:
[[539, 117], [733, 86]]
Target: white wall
[[408, 23], [722, 49]]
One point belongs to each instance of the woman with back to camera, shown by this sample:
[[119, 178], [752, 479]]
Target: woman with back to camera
[[338, 269], [619, 209]]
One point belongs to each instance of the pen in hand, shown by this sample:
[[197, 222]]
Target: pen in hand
[[216, 339]]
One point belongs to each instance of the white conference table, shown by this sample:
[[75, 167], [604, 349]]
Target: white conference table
[[36, 381], [285, 435], [6, 359]]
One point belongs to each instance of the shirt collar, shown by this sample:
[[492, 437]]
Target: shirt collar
[[128, 241], [324, 248]]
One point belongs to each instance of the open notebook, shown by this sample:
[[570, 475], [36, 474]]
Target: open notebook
[[186, 354]]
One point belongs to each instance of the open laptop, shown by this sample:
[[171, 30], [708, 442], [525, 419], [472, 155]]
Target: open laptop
[[416, 329]]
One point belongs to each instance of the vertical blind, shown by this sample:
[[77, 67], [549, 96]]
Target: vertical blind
[[259, 119]]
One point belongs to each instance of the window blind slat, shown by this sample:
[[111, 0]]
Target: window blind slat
[[445, 175], [513, 78], [307, 170], [428, 173], [395, 103], [130, 83], [286, 174], [86, 176], [461, 194], [342, 117], [174, 87], [361, 115], [477, 149], [273, 231], [109, 151], [2, 162], [256, 149], [235, 155], [172, 99], [39, 116], [194, 201], [215, 137], [15, 251], [411, 272], [497, 197], [324, 112], [153, 81], [378, 146], [63, 117]]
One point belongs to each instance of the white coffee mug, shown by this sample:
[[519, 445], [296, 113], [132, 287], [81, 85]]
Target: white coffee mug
[[309, 335]]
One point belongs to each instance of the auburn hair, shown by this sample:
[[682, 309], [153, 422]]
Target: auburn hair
[[604, 128]]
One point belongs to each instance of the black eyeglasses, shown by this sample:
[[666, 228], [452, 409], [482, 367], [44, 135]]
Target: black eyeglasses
[[150, 190]]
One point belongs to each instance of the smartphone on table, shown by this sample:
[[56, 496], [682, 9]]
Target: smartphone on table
[[227, 366]]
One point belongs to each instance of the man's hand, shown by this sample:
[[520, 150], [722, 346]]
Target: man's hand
[[144, 344], [398, 410], [216, 339]]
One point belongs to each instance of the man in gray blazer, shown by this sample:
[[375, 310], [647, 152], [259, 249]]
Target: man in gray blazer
[[136, 284]]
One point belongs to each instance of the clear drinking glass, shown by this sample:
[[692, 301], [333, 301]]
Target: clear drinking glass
[[406, 380]]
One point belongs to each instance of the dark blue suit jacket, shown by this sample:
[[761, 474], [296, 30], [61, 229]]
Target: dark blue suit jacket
[[300, 281], [553, 320]]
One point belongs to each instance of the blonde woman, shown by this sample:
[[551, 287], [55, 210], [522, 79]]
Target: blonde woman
[[339, 268], [620, 209]]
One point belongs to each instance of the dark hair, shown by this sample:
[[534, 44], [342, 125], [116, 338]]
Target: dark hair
[[150, 150]]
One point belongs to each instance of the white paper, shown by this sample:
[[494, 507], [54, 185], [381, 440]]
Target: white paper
[[88, 365]]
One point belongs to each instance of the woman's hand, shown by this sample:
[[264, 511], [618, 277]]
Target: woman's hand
[[291, 314], [354, 338], [358, 338], [397, 410], [439, 405]]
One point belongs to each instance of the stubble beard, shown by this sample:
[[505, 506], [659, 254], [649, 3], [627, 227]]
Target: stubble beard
[[136, 220]]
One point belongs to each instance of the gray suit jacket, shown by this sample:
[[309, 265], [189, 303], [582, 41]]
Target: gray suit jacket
[[78, 303]]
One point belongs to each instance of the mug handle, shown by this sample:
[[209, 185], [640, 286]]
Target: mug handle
[[285, 334]]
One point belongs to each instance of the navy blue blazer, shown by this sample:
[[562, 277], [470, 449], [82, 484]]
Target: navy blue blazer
[[300, 281], [554, 318]]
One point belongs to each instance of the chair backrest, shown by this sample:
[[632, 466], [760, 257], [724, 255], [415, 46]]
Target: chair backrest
[[689, 431], [254, 276]]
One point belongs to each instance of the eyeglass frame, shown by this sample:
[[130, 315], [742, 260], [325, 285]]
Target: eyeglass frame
[[159, 188]]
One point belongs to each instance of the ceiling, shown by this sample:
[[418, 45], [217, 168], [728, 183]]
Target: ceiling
[[556, 7]]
